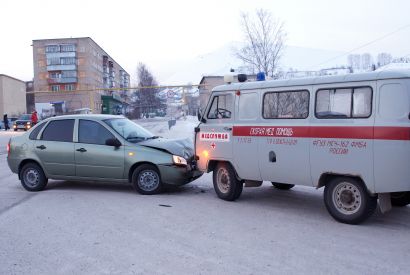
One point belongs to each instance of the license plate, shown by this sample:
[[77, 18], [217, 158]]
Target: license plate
[[20, 126]]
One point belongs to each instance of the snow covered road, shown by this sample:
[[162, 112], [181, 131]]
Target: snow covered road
[[104, 228]]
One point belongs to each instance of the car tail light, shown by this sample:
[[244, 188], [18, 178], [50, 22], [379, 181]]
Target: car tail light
[[8, 148]]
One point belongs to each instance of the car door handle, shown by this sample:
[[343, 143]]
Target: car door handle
[[41, 147], [82, 150], [228, 128]]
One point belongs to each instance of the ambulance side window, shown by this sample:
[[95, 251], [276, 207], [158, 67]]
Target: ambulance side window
[[394, 101], [248, 106], [344, 103], [294, 104], [221, 107]]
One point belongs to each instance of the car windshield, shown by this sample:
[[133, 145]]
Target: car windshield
[[25, 117], [129, 129]]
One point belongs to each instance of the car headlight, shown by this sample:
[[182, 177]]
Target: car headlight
[[179, 160]]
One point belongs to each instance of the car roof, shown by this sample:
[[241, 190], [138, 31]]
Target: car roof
[[86, 116]]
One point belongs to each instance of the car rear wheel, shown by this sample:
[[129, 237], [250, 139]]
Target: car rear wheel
[[32, 177], [226, 185], [348, 201], [282, 186], [146, 180], [400, 198]]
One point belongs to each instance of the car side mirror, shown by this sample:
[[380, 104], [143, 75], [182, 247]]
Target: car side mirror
[[113, 142]]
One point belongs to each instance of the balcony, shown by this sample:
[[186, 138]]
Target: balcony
[[62, 80], [71, 67]]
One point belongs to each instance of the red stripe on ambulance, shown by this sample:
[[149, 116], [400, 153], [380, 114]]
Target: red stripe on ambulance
[[342, 132]]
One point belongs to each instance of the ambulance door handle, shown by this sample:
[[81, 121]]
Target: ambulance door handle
[[228, 128], [272, 156]]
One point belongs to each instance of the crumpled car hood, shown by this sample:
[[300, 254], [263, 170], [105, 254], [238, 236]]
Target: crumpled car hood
[[179, 147]]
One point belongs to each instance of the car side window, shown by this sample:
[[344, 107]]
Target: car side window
[[59, 130], [92, 132], [36, 130]]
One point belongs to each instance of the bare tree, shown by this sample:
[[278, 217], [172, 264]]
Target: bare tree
[[146, 99], [264, 38]]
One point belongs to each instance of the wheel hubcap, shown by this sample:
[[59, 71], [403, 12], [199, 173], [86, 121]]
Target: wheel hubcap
[[31, 177], [148, 180], [347, 198], [223, 180]]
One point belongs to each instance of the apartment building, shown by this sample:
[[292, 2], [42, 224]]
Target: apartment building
[[12, 96], [76, 73]]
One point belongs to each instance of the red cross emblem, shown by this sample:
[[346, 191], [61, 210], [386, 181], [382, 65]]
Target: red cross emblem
[[213, 145]]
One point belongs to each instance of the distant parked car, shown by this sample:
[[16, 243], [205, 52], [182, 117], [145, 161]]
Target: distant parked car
[[22, 123], [100, 148]]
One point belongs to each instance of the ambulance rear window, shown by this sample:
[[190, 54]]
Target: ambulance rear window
[[344, 103]]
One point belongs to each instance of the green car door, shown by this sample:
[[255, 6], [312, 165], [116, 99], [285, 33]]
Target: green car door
[[55, 148], [93, 158]]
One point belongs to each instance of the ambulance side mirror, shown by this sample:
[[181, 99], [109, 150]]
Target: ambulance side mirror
[[200, 118]]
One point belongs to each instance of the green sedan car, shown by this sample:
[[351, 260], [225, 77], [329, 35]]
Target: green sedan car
[[100, 148]]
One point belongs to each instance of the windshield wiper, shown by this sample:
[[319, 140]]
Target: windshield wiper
[[135, 137]]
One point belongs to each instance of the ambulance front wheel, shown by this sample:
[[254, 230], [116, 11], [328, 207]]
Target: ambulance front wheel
[[226, 185], [283, 186], [348, 201]]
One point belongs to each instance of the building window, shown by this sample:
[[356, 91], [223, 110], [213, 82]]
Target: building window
[[67, 60], [52, 49], [293, 104], [55, 88], [69, 73], [344, 103], [68, 48], [55, 75], [69, 87], [53, 61]]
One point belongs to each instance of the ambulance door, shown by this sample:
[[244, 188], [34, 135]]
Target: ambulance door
[[215, 136], [392, 136], [245, 147], [342, 131], [284, 136]]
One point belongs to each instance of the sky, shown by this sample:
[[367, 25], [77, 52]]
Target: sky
[[163, 33]]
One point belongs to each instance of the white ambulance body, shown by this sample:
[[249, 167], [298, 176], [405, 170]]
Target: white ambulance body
[[350, 134]]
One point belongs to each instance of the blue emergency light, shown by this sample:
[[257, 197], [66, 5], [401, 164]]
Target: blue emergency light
[[260, 76]]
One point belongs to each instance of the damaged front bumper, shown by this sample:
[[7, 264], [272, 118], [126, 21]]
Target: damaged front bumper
[[178, 175]]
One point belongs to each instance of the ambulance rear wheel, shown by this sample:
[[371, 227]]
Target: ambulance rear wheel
[[283, 186], [348, 201], [400, 198], [226, 185]]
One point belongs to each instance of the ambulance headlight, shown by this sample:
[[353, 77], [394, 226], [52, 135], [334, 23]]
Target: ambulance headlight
[[179, 160]]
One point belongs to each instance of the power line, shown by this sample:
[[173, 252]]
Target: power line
[[364, 45]]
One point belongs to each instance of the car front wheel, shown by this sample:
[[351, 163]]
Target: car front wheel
[[32, 177], [146, 180], [348, 201]]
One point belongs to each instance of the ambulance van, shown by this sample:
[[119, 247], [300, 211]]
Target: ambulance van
[[349, 134]]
